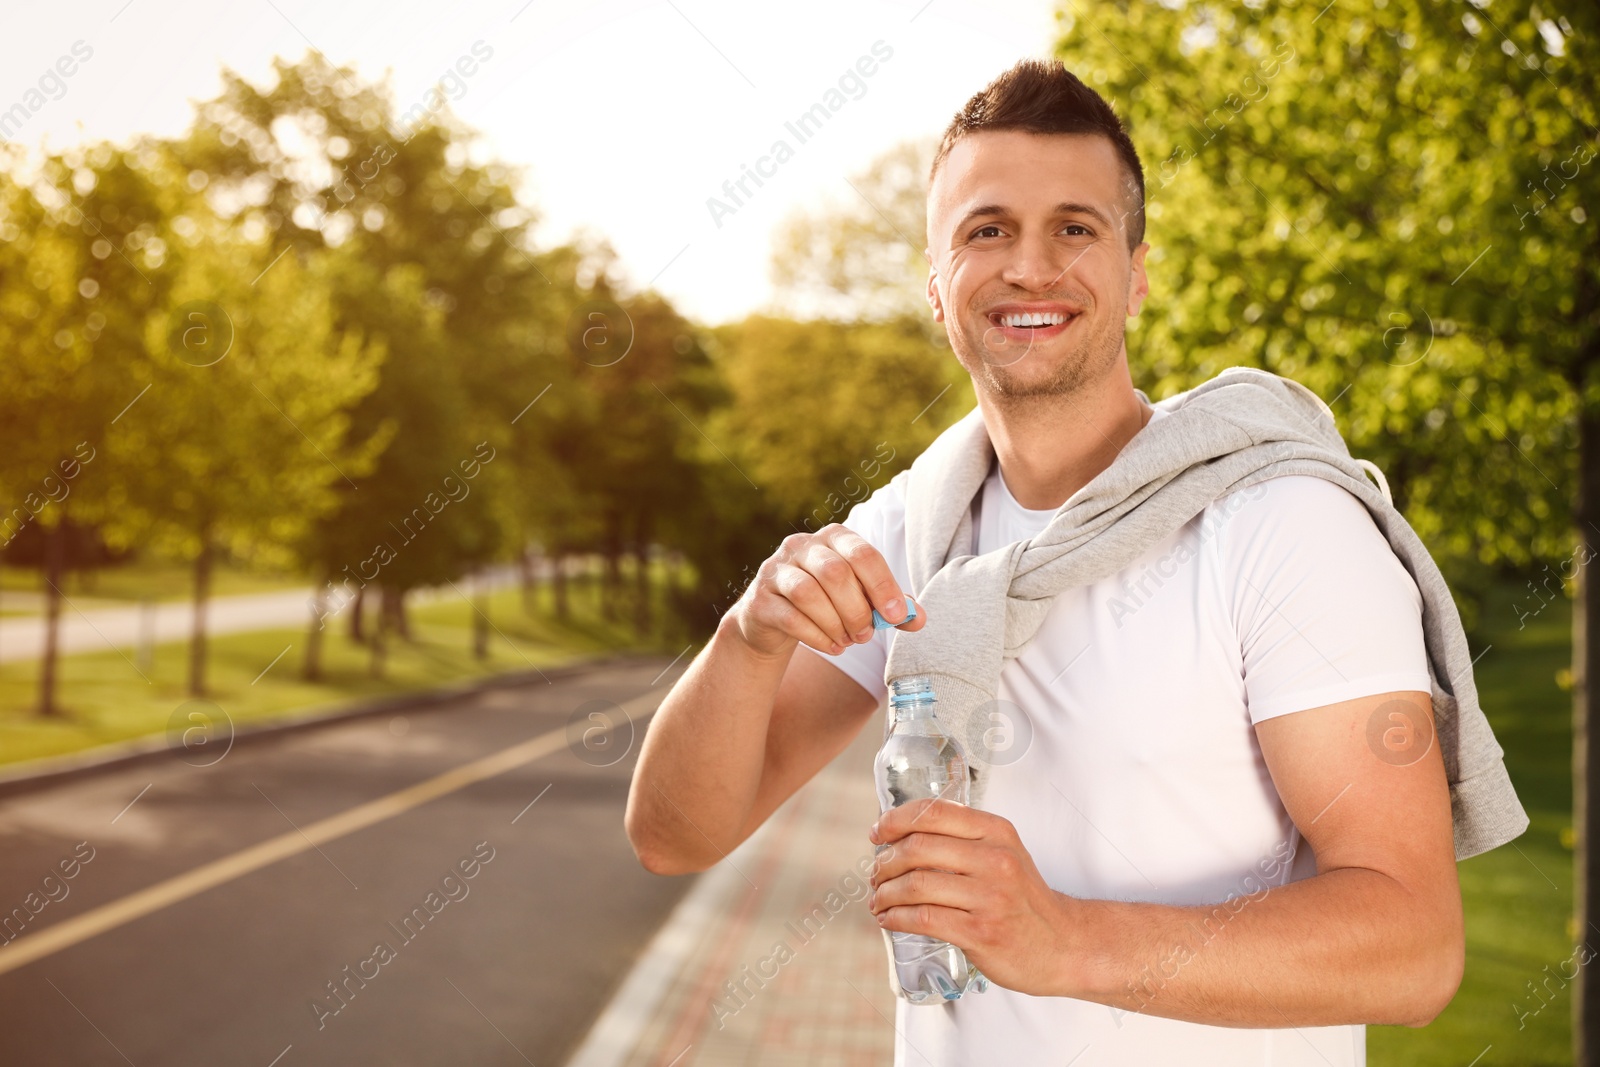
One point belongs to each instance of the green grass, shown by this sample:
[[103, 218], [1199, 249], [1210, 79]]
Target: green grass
[[106, 700], [1518, 898]]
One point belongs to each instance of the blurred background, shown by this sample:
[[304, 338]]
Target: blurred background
[[393, 397]]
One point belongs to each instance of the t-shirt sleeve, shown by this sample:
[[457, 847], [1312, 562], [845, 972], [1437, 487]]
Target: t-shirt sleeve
[[1324, 609], [880, 520]]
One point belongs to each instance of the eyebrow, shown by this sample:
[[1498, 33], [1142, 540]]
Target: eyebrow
[[1063, 208]]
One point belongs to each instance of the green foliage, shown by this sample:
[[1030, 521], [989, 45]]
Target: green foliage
[[812, 401], [811, 415], [251, 445], [423, 268], [79, 259], [1386, 202]]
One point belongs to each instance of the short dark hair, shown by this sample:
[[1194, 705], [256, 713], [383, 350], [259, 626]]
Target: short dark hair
[[1043, 96]]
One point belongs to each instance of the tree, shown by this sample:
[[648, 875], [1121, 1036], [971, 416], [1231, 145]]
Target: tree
[[82, 240], [646, 403], [250, 390], [1390, 203], [440, 267], [414, 518], [541, 489]]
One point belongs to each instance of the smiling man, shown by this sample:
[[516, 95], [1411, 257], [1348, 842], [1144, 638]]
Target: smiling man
[[1222, 830]]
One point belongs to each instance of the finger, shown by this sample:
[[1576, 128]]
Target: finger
[[838, 580], [953, 854], [930, 920], [872, 572], [927, 887], [795, 623], [801, 589], [935, 816]]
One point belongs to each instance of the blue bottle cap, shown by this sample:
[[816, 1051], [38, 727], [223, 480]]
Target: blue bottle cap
[[881, 623]]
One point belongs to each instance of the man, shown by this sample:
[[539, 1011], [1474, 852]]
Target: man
[[1198, 858]]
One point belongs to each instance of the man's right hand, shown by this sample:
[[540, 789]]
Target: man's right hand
[[819, 588], [749, 722]]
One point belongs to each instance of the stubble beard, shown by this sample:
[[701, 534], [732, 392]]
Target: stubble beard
[[993, 369]]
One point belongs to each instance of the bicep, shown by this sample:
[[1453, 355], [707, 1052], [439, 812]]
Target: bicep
[[1336, 677], [1364, 781], [819, 710]]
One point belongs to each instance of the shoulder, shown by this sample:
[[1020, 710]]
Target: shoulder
[[1324, 609], [1301, 528], [1298, 503]]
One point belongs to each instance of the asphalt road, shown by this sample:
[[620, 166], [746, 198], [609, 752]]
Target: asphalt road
[[508, 966]]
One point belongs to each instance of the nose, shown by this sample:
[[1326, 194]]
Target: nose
[[1037, 264]]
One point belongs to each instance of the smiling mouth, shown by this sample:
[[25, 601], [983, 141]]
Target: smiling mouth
[[1031, 320]]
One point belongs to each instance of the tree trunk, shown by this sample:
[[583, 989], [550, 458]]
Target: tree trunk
[[358, 631], [673, 610], [55, 553], [1585, 798], [378, 640], [480, 619], [394, 606], [611, 583], [642, 613], [197, 637], [558, 586], [525, 564], [311, 671]]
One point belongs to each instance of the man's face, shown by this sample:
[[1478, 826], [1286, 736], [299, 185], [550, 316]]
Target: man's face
[[1031, 271]]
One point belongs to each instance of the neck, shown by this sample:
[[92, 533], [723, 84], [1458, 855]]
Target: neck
[[1049, 447]]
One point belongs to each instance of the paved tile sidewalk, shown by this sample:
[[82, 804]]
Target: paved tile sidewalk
[[769, 959]]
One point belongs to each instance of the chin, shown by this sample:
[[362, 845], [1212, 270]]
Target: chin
[[1035, 374], [1036, 381]]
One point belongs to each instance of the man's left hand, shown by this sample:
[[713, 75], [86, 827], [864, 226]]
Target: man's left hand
[[961, 875]]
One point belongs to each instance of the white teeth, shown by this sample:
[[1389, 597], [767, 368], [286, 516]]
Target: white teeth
[[1037, 318]]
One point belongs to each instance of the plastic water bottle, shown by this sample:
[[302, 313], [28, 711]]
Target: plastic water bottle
[[918, 759]]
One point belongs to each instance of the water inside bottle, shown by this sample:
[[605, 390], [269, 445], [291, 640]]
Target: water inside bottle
[[920, 760]]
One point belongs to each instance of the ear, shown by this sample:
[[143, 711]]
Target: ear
[[1140, 283], [933, 288]]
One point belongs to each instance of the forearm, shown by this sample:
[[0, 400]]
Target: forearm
[[1351, 945], [701, 762], [1375, 937]]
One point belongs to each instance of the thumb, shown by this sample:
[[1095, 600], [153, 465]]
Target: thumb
[[917, 618]]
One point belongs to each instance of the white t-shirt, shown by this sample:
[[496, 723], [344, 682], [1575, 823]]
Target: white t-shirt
[[1132, 771]]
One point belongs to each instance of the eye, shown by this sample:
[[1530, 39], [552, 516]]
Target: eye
[[991, 230], [1077, 229]]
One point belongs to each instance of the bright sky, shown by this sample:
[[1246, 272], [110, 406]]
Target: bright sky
[[626, 114]]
